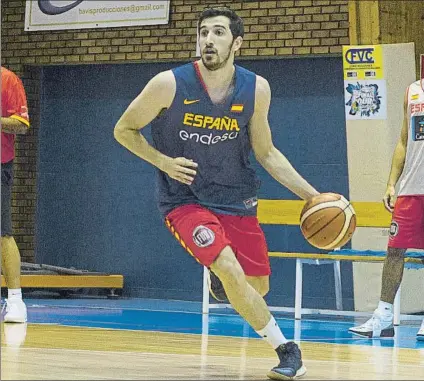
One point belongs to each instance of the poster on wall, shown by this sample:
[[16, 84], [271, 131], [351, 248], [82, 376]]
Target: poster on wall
[[80, 14], [364, 83]]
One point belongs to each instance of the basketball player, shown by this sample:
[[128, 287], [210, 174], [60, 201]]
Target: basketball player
[[14, 120], [407, 227], [206, 116]]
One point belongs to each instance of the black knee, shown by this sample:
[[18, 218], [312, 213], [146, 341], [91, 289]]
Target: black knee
[[396, 253]]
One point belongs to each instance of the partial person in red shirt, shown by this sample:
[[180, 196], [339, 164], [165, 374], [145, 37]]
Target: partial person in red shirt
[[14, 120]]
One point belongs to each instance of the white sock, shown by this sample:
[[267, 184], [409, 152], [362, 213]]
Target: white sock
[[385, 308], [14, 293], [272, 334]]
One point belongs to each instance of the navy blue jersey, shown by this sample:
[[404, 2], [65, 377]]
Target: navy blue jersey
[[216, 137]]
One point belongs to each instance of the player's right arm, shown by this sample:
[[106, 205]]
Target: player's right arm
[[158, 95], [271, 159], [398, 160], [16, 107]]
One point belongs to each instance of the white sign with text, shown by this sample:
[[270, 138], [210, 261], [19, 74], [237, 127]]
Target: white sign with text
[[80, 14]]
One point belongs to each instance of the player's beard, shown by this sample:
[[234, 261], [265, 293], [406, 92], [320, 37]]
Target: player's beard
[[219, 63]]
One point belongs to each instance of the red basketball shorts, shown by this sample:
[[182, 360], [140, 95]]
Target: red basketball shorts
[[407, 227], [204, 234]]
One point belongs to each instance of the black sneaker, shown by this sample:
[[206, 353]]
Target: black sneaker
[[216, 288], [290, 365]]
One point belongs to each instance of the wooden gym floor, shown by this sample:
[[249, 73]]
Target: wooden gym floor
[[160, 340]]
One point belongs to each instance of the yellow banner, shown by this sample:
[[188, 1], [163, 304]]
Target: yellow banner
[[363, 62]]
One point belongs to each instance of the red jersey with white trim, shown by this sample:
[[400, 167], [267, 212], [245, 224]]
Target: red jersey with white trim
[[13, 105]]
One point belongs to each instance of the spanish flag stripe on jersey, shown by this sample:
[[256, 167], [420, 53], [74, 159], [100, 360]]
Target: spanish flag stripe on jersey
[[237, 108]]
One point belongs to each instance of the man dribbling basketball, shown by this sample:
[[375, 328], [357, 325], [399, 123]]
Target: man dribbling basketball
[[206, 117], [407, 227]]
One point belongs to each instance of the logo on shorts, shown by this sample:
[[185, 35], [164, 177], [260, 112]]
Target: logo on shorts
[[250, 202], [394, 229], [203, 236]]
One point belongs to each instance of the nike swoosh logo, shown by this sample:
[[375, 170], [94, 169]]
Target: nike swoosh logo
[[187, 102], [49, 9]]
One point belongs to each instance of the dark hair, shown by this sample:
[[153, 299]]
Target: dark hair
[[236, 23]]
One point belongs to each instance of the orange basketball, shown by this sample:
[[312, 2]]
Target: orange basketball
[[328, 221]]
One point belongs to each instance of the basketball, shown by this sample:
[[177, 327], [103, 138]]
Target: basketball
[[328, 221]]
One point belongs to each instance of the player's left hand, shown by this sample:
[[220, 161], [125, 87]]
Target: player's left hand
[[388, 198]]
